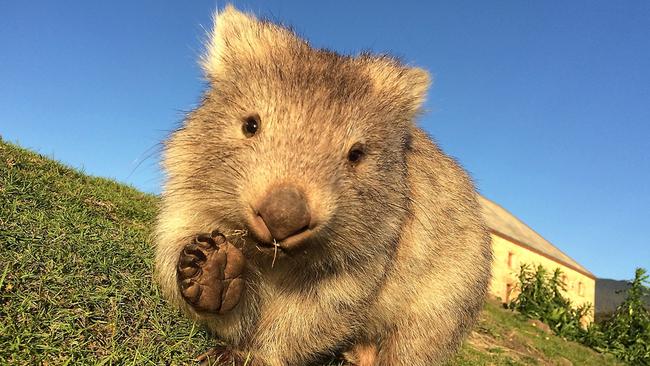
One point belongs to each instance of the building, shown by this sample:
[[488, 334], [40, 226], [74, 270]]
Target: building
[[514, 243]]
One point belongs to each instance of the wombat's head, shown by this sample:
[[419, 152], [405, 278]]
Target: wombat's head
[[303, 148]]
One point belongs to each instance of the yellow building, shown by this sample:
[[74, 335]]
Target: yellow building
[[514, 243]]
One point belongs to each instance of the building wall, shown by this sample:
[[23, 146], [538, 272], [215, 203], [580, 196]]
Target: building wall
[[508, 256]]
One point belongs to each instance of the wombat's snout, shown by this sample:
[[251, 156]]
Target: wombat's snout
[[283, 215]]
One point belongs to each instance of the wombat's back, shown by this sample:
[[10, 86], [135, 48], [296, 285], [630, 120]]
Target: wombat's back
[[442, 266]]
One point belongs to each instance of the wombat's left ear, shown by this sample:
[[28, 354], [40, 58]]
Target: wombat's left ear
[[230, 25], [238, 35], [402, 85]]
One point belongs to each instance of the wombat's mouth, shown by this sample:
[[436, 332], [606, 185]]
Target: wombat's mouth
[[267, 243]]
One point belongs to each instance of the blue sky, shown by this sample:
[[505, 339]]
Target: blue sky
[[546, 103]]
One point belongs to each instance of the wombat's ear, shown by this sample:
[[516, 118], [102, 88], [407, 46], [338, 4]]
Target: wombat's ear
[[403, 85], [236, 34], [229, 26]]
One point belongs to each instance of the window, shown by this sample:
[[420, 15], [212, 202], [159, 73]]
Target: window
[[510, 259], [581, 289]]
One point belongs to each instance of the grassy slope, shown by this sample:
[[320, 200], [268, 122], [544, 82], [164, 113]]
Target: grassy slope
[[502, 337], [76, 271], [75, 281]]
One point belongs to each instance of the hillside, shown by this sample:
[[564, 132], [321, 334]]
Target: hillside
[[75, 281]]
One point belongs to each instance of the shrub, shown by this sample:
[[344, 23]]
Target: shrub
[[626, 334], [541, 297]]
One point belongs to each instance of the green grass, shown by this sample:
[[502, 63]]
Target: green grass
[[76, 287], [76, 264], [503, 337]]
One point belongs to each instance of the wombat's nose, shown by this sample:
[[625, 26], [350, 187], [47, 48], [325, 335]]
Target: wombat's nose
[[285, 212]]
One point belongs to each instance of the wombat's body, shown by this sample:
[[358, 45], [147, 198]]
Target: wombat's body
[[384, 257]]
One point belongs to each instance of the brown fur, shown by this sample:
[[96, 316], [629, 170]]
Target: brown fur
[[399, 265]]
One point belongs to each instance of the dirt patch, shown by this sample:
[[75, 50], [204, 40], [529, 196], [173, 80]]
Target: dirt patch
[[510, 345]]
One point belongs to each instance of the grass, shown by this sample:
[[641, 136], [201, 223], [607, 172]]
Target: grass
[[76, 266], [76, 287], [503, 337]]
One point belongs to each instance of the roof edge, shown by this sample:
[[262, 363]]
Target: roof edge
[[537, 251], [583, 270]]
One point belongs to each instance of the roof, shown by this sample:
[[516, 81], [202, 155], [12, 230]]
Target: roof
[[503, 223]]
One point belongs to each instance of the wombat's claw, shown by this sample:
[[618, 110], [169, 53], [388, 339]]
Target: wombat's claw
[[219, 355], [360, 355], [209, 273], [225, 356]]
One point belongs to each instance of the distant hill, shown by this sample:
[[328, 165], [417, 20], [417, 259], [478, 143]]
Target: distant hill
[[610, 294], [76, 286]]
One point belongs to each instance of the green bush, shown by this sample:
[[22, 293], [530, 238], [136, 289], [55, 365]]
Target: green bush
[[626, 334], [541, 297]]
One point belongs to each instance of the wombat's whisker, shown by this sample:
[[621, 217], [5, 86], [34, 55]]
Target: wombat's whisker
[[146, 155]]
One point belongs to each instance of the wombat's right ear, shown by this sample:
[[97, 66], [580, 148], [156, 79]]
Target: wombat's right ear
[[402, 85]]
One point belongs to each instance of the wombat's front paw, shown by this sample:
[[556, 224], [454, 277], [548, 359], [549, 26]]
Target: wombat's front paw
[[209, 273]]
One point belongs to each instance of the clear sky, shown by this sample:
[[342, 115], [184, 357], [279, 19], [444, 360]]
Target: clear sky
[[546, 103]]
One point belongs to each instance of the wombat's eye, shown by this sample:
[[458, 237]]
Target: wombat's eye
[[356, 153], [251, 125]]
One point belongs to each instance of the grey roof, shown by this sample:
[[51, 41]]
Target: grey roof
[[503, 222]]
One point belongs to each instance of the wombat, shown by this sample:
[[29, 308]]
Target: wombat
[[305, 215]]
